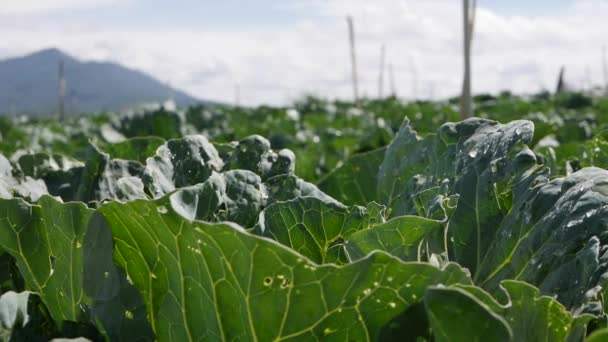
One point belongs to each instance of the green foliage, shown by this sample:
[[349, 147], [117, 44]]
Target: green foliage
[[137, 149], [322, 221], [244, 286], [315, 228], [410, 238], [356, 180]]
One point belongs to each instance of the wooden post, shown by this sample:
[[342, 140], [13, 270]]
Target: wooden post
[[561, 85], [469, 9], [353, 58], [381, 75], [61, 91]]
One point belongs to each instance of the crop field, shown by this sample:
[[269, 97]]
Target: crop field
[[381, 221]]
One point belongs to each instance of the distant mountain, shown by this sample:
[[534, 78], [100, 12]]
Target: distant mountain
[[29, 85]]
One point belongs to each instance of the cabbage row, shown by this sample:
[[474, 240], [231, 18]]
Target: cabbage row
[[461, 234]]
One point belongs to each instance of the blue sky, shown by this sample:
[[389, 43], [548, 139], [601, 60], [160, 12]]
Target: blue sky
[[277, 50], [526, 7], [239, 14]]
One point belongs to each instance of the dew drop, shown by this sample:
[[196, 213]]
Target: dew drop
[[328, 331], [590, 213], [106, 275], [267, 281], [473, 153], [517, 131], [389, 279], [408, 285], [367, 292], [128, 314], [162, 209], [392, 305]]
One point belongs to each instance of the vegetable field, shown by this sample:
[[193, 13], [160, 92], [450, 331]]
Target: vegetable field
[[323, 221]]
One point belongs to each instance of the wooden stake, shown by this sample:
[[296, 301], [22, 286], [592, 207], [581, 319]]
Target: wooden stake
[[61, 91], [353, 58], [469, 10], [561, 86]]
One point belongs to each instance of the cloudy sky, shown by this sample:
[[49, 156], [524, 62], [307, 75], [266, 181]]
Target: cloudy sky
[[277, 50]]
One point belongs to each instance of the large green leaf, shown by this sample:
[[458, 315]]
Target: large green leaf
[[455, 315], [410, 238], [55, 253], [61, 174], [313, 227], [215, 281], [526, 315], [486, 160], [473, 159], [598, 336], [253, 153], [100, 178], [41, 165], [408, 155], [238, 196], [355, 182], [179, 163], [287, 186], [104, 178], [46, 241], [554, 237]]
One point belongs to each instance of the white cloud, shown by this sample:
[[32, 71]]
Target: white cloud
[[40, 6], [423, 38]]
